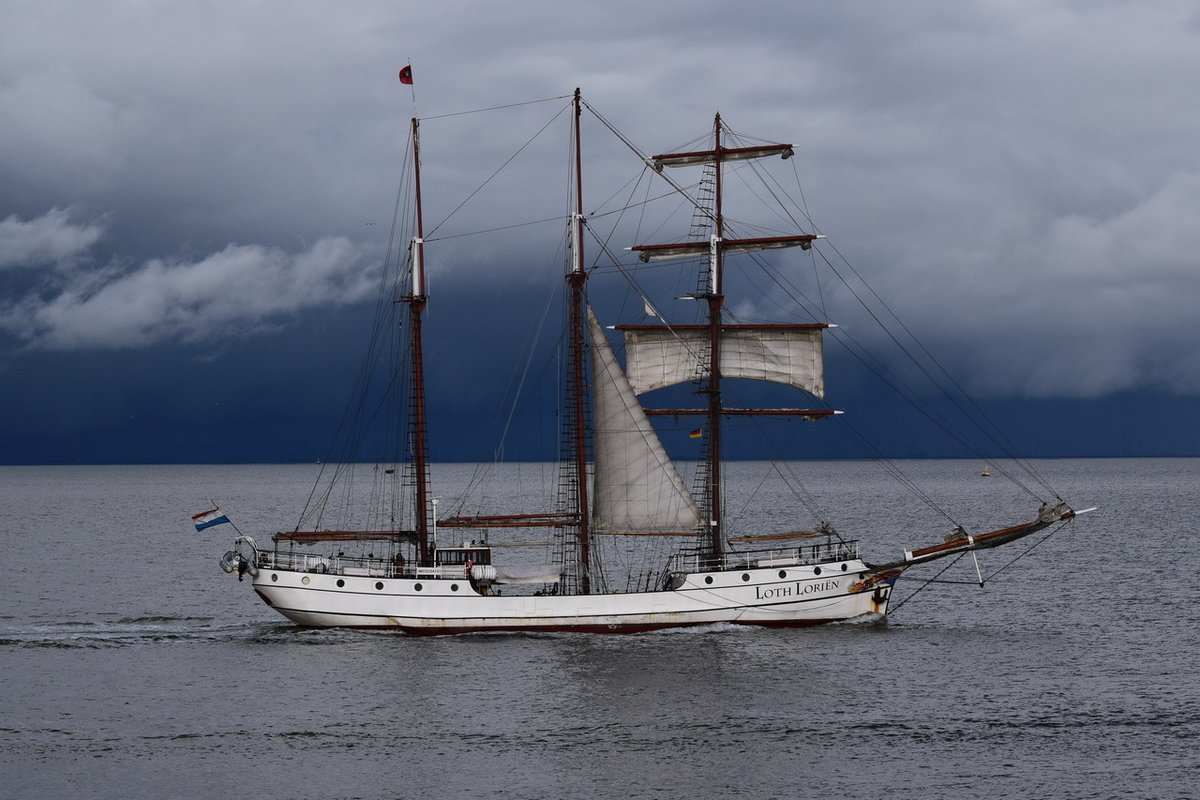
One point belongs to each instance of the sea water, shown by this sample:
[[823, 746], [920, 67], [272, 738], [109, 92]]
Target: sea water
[[134, 668]]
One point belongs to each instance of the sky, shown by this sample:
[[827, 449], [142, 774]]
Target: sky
[[195, 196]]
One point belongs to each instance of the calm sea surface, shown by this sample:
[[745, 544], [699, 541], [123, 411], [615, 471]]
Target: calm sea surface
[[134, 668]]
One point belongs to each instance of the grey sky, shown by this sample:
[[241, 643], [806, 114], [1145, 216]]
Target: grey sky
[[1019, 179]]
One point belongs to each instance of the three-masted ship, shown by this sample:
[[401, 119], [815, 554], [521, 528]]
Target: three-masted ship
[[424, 575]]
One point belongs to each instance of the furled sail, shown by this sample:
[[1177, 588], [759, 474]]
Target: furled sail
[[530, 573], [727, 154], [637, 487], [658, 356], [660, 252]]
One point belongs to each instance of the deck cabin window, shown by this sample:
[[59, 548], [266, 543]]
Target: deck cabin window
[[459, 556]]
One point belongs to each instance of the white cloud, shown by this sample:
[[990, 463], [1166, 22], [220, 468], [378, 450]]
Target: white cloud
[[226, 294], [49, 239]]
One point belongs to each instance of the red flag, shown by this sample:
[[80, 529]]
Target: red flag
[[406, 75]]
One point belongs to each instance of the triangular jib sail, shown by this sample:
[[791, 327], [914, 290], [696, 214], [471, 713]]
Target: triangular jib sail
[[636, 486]]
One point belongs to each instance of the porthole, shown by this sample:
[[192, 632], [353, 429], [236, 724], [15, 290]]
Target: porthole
[[745, 576], [274, 576], [341, 583], [417, 587], [843, 567], [782, 574], [306, 580], [454, 587], [379, 585], [708, 578], [816, 570]]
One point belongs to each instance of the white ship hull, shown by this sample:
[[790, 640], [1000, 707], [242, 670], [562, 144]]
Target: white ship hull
[[769, 597]]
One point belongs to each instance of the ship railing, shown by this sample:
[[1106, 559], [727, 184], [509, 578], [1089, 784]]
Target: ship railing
[[290, 560], [804, 555]]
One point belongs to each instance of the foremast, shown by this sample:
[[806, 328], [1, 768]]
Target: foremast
[[713, 362]]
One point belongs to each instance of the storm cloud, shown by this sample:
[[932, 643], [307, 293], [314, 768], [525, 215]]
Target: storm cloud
[[1019, 180]]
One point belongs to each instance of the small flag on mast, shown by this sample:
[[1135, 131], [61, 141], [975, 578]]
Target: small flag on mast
[[207, 519], [695, 434], [406, 75]]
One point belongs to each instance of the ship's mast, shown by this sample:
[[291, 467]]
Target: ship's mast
[[417, 300], [716, 301], [576, 279], [714, 293]]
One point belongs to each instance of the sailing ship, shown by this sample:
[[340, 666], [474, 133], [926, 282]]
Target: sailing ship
[[420, 574]]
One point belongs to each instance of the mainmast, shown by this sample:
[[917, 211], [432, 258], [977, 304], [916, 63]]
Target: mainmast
[[576, 279], [417, 300], [716, 300]]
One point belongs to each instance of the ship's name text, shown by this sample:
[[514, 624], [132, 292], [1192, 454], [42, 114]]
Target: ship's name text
[[798, 589]]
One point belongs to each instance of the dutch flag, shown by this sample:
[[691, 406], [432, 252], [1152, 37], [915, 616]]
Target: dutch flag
[[206, 519]]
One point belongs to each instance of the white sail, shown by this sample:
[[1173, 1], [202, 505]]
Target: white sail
[[636, 487], [658, 356]]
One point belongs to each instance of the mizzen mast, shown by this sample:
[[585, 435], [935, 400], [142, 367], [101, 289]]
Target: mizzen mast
[[576, 279]]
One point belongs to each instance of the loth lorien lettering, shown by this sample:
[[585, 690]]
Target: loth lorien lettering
[[798, 589]]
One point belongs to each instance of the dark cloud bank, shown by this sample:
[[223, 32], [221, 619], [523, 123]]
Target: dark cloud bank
[[193, 205]]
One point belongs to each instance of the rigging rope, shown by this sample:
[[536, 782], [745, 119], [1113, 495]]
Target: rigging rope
[[349, 432], [1015, 559], [920, 588], [498, 169], [959, 398], [1029, 549], [482, 231], [973, 414], [497, 108]]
